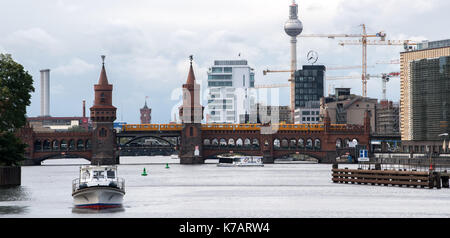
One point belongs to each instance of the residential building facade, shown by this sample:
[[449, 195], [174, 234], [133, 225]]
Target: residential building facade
[[229, 91], [309, 114]]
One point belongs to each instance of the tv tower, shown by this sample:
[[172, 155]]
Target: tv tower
[[293, 28]]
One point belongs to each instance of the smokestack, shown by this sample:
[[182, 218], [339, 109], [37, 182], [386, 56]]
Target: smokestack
[[84, 108], [45, 92]]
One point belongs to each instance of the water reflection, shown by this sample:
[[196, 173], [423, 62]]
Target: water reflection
[[93, 211], [16, 193], [5, 210]]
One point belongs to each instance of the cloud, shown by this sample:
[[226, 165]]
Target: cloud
[[34, 38], [147, 42], [75, 67]]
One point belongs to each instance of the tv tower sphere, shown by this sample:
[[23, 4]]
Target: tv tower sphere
[[293, 26]]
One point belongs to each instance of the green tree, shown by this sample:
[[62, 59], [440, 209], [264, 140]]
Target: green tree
[[77, 129], [16, 86]]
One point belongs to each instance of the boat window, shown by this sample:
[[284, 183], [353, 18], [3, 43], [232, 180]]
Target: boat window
[[110, 174], [86, 175], [99, 174]]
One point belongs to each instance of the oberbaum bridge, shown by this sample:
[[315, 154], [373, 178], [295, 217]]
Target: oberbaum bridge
[[193, 141]]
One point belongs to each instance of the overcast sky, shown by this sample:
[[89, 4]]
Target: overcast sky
[[147, 44]]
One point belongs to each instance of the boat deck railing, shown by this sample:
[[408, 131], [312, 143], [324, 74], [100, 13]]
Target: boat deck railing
[[118, 183]]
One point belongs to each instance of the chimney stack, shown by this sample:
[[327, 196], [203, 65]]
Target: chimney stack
[[84, 108], [45, 93]]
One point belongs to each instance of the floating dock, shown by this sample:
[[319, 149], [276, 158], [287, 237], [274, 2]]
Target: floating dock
[[400, 177]]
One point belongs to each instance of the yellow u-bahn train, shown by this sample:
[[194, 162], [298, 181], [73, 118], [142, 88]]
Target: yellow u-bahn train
[[152, 127], [229, 127]]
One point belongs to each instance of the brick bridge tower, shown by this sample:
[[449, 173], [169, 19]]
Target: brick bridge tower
[[103, 114], [191, 114]]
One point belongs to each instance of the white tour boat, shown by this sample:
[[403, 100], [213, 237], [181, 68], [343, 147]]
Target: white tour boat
[[240, 161], [98, 187]]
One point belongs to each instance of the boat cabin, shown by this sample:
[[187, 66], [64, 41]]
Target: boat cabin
[[98, 174]]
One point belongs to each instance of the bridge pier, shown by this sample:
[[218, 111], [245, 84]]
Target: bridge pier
[[268, 159], [192, 160]]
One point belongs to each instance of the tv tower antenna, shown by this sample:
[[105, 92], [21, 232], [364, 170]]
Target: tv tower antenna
[[293, 27]]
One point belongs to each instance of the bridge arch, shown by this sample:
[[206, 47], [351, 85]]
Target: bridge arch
[[55, 145], [46, 146], [148, 136], [339, 144], [239, 142], [68, 155], [317, 144], [311, 154], [301, 143], [71, 144], [293, 143], [276, 143], [216, 154], [284, 143], [309, 144]]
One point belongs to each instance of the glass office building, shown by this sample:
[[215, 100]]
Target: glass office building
[[309, 84], [430, 84]]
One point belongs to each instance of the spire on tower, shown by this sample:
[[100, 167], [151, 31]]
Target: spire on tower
[[103, 78], [191, 76]]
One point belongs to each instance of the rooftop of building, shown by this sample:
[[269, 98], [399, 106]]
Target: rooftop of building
[[230, 62], [430, 45], [39, 118], [433, 44]]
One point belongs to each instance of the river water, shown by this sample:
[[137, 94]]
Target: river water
[[182, 191]]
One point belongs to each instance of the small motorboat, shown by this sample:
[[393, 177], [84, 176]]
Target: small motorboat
[[98, 187], [240, 161]]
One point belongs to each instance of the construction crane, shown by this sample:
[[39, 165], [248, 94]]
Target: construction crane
[[285, 85], [407, 44], [363, 39], [265, 72], [385, 77], [395, 61]]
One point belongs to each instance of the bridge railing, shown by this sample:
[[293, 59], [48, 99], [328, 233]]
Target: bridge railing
[[418, 164], [116, 183]]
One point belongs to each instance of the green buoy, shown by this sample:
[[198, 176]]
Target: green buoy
[[144, 173], [167, 165]]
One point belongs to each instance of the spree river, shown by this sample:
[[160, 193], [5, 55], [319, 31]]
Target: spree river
[[182, 191]]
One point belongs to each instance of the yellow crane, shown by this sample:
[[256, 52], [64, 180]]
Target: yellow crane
[[384, 77], [407, 44], [364, 41], [265, 72]]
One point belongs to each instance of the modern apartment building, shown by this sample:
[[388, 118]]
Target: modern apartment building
[[424, 91], [229, 91]]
